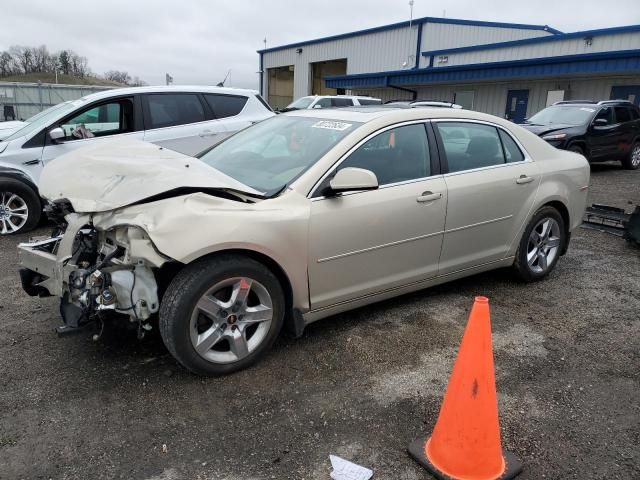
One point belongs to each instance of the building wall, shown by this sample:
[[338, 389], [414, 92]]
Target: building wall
[[374, 52], [573, 46], [492, 97], [387, 50], [31, 98], [438, 36]]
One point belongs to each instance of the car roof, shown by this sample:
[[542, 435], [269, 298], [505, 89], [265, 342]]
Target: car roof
[[169, 89]]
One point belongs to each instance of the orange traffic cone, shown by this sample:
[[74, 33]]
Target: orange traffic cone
[[465, 443]]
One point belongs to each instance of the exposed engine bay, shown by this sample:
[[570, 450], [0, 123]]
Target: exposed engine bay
[[96, 273]]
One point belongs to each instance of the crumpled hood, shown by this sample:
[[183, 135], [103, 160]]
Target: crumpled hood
[[117, 173], [8, 128], [544, 129]]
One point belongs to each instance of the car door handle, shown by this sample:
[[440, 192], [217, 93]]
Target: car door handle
[[206, 133], [524, 179], [428, 197]]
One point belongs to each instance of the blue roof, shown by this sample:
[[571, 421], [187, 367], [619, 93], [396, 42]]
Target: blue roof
[[623, 61], [383, 28], [536, 40]]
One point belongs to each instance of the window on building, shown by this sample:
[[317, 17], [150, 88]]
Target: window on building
[[472, 145], [396, 155], [224, 106], [464, 98], [167, 110]]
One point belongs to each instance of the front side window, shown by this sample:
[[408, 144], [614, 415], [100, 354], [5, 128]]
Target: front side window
[[168, 110], [106, 119], [395, 155], [605, 114], [323, 103], [271, 154], [224, 106], [471, 145]]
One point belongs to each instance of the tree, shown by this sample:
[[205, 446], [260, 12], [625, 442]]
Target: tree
[[118, 76]]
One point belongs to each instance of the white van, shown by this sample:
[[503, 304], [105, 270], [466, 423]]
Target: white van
[[186, 119]]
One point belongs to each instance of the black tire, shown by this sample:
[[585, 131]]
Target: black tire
[[526, 272], [190, 285], [628, 162], [12, 186]]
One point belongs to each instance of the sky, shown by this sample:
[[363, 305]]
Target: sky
[[199, 41]]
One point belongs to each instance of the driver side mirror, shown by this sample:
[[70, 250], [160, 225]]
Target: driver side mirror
[[56, 134], [600, 122], [352, 179]]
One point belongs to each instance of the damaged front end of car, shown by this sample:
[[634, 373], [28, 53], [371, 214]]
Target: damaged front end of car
[[96, 272]]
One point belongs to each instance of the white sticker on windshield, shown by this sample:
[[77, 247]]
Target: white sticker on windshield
[[341, 126], [591, 110]]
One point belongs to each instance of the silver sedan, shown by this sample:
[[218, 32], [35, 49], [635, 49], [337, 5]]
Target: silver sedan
[[295, 219]]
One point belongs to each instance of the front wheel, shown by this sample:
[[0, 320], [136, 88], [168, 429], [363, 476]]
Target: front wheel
[[20, 207], [221, 314], [540, 245], [632, 162]]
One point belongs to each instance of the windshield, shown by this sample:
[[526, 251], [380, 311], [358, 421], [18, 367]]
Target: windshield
[[42, 119], [566, 115], [269, 155], [301, 103]]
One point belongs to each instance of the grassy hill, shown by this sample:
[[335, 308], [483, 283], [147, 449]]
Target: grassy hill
[[63, 79]]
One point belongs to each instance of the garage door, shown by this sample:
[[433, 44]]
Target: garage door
[[280, 92]]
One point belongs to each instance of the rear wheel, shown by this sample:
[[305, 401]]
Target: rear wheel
[[632, 162], [540, 245], [20, 207], [221, 314]]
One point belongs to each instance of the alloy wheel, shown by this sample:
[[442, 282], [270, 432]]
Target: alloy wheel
[[635, 156], [231, 320], [13, 212], [543, 245]]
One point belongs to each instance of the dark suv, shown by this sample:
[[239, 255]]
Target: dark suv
[[601, 131]]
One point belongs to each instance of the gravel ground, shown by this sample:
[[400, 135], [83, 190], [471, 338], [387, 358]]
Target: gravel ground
[[361, 385]]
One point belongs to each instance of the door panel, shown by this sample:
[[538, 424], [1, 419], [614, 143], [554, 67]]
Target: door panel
[[603, 140], [516, 109], [486, 210], [188, 139], [366, 242]]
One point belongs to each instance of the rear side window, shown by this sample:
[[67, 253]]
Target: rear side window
[[471, 145], [167, 110], [511, 151], [224, 106], [622, 115], [369, 101], [341, 102]]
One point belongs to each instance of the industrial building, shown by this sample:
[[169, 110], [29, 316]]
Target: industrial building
[[21, 100], [506, 69]]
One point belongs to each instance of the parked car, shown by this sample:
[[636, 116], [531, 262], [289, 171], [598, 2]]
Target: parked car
[[330, 101], [297, 218], [423, 103], [601, 131], [185, 119]]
